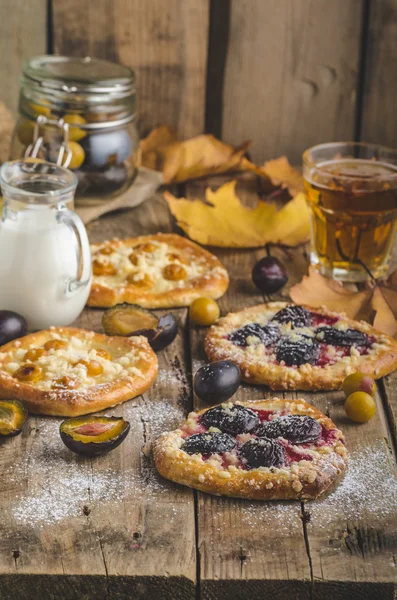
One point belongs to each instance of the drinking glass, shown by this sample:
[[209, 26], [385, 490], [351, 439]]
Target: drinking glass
[[351, 189]]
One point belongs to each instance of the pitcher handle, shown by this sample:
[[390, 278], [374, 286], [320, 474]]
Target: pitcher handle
[[83, 252]]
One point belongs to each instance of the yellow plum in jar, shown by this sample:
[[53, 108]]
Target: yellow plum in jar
[[75, 133]]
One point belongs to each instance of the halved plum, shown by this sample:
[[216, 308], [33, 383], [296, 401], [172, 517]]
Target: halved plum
[[131, 319], [92, 436], [13, 416], [125, 319]]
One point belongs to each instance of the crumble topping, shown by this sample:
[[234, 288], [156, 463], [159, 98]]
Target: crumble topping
[[149, 265], [69, 366]]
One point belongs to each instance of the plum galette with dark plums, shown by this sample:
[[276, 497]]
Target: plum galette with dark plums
[[290, 346], [263, 450]]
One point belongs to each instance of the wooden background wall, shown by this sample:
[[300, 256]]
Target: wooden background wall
[[283, 73]]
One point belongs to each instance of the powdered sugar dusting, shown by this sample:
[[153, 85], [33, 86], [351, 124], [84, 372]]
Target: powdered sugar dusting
[[281, 517], [62, 485], [168, 377], [368, 490], [160, 416]]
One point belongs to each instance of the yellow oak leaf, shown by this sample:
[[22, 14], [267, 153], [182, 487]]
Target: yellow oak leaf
[[197, 157], [225, 222], [281, 173]]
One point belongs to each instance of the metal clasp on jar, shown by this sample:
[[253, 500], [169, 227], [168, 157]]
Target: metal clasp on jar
[[65, 154]]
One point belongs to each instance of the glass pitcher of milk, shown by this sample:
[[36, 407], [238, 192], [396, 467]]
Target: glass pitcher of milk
[[45, 260]]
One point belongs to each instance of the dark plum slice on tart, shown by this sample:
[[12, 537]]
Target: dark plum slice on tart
[[340, 337], [217, 381], [262, 452], [209, 443], [13, 416], [298, 316], [296, 353], [267, 334], [131, 319], [297, 429], [92, 436], [234, 419]]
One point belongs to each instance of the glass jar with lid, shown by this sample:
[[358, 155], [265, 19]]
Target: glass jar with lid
[[79, 113]]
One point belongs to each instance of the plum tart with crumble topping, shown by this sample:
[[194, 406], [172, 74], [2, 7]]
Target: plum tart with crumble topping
[[262, 450], [64, 371], [288, 346]]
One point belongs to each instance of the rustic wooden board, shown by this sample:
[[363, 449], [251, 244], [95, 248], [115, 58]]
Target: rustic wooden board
[[111, 528], [165, 41], [23, 34], [108, 527], [291, 74], [378, 118]]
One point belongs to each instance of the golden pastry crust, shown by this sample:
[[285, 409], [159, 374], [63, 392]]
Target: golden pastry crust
[[302, 480], [205, 275], [257, 368], [128, 368]]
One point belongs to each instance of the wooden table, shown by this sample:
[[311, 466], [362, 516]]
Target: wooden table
[[110, 528]]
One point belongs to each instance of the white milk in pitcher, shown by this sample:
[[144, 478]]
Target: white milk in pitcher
[[38, 260]]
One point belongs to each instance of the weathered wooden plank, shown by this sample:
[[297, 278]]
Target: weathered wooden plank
[[388, 392], [247, 549], [105, 527], [291, 74], [352, 532], [379, 119], [141, 551], [23, 33], [164, 41]]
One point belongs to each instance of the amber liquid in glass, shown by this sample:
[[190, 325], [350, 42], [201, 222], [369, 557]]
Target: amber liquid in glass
[[354, 217]]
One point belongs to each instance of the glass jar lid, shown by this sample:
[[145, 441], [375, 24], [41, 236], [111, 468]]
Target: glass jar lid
[[80, 75]]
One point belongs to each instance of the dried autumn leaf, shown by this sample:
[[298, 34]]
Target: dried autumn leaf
[[377, 305], [225, 222], [152, 147], [316, 290], [281, 173], [197, 157], [384, 302]]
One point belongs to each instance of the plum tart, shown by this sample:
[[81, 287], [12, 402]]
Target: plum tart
[[263, 450], [65, 371], [288, 346], [155, 271]]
